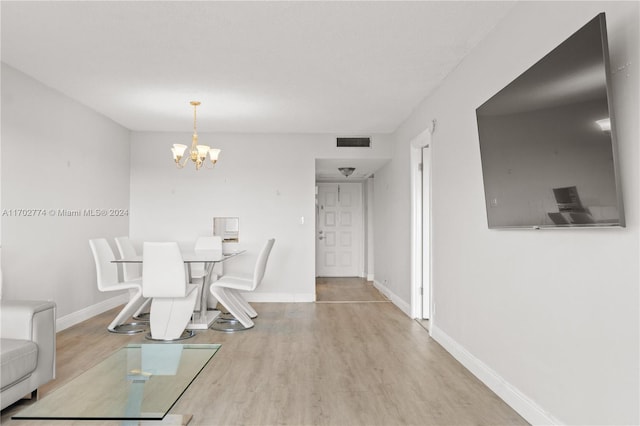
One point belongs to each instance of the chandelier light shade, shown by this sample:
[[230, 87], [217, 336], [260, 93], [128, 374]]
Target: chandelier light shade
[[197, 153], [346, 171]]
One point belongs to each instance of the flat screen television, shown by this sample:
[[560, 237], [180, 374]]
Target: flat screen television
[[547, 141]]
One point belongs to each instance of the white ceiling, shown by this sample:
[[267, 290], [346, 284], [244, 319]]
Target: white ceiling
[[337, 67], [294, 67], [327, 169]]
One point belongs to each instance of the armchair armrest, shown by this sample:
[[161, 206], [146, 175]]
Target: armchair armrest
[[18, 317], [34, 321]]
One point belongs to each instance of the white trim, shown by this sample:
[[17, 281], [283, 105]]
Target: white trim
[[77, 317], [428, 311], [394, 298], [279, 297], [417, 261], [363, 230], [370, 277], [517, 400]]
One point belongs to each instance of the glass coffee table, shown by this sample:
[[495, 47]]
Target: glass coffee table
[[136, 383]]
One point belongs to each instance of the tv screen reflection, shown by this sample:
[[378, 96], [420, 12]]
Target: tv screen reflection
[[546, 141]]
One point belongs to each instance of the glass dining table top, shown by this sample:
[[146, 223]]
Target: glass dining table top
[[201, 256], [137, 382]]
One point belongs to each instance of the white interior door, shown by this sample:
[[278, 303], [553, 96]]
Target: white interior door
[[339, 230]]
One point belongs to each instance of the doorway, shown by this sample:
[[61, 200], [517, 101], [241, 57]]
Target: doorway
[[421, 226], [339, 230], [331, 182]]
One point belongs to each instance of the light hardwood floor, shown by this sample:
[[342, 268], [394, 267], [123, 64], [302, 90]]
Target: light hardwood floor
[[341, 290], [309, 364]]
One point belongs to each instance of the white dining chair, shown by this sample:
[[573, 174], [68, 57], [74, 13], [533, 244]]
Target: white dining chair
[[132, 272], [227, 289], [107, 279], [173, 298], [198, 272]]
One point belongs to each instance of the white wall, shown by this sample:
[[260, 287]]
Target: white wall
[[57, 154], [369, 221], [268, 181], [549, 319], [392, 229]]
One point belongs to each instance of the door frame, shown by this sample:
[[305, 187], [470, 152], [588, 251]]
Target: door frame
[[421, 282]]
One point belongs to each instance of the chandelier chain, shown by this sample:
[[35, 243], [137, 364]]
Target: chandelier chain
[[194, 118]]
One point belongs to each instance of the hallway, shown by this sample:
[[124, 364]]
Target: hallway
[[347, 290]]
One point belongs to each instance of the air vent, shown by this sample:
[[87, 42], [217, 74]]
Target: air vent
[[354, 143]]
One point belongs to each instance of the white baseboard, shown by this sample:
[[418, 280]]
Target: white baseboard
[[90, 311], [523, 405], [370, 277], [279, 297], [401, 304]]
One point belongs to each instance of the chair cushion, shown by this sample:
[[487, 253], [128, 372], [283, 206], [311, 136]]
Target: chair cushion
[[18, 359], [238, 283]]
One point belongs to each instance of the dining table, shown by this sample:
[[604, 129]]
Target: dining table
[[203, 319]]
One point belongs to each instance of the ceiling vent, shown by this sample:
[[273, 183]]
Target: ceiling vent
[[354, 142]]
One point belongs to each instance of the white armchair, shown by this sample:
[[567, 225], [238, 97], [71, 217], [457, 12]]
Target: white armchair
[[27, 346]]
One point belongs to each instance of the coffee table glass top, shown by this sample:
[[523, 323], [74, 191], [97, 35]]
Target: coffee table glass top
[[137, 382]]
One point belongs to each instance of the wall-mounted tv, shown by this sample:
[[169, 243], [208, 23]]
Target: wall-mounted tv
[[547, 141]]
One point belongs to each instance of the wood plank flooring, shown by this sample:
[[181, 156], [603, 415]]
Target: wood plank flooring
[[309, 364], [344, 290]]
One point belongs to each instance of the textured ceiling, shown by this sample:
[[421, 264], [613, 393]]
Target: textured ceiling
[[287, 67]]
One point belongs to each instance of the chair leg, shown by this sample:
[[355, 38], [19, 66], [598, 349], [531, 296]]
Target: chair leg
[[242, 302], [118, 325], [142, 314], [170, 316], [212, 302], [230, 303]]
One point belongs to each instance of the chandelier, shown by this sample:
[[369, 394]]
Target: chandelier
[[197, 153], [346, 171]]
